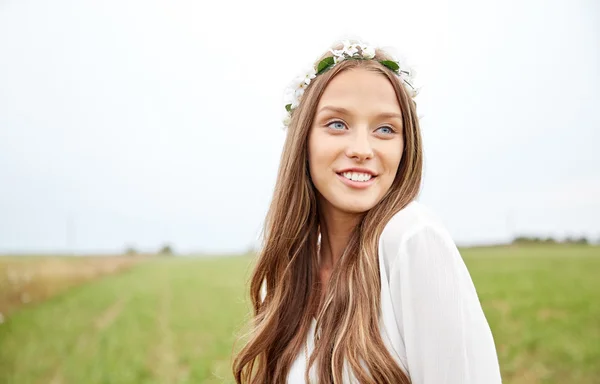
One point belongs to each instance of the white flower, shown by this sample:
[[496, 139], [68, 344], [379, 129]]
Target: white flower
[[287, 119], [295, 102], [410, 88], [298, 82], [296, 89], [367, 52], [289, 96], [309, 75], [349, 48], [338, 55]]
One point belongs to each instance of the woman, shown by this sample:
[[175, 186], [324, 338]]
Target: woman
[[356, 281]]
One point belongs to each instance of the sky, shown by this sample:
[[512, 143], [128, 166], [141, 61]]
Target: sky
[[137, 123]]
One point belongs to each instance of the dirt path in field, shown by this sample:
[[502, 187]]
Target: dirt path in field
[[102, 322], [57, 377], [163, 360], [110, 314]]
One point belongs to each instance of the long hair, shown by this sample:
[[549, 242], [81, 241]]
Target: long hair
[[348, 317]]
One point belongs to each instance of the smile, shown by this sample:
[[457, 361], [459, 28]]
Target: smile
[[357, 176], [356, 180]]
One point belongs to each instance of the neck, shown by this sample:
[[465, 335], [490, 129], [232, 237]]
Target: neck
[[336, 228]]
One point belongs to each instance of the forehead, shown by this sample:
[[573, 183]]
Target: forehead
[[360, 89]]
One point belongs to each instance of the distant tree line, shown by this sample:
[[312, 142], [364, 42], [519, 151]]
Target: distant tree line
[[167, 249], [164, 250], [550, 240]]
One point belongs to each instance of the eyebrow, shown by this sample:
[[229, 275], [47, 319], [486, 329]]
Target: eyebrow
[[347, 112]]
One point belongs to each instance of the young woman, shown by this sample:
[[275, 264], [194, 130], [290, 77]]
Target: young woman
[[357, 282]]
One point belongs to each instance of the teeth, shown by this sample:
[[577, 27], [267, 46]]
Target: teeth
[[355, 176]]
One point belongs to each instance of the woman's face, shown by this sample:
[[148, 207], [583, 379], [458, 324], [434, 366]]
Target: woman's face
[[355, 142]]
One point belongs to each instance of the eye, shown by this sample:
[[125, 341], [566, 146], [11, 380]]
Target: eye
[[336, 125], [387, 130]]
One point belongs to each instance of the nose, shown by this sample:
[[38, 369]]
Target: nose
[[359, 146]]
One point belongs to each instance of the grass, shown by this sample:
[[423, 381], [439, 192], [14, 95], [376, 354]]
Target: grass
[[31, 279], [175, 320], [543, 305]]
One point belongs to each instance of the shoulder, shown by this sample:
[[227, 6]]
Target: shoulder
[[415, 222]]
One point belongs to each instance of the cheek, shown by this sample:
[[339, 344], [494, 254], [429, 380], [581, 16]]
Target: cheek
[[313, 154], [392, 159], [319, 157], [316, 165], [396, 161]]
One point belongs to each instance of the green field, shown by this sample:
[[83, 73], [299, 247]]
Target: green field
[[173, 320]]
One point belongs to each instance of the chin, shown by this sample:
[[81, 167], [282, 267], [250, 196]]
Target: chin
[[355, 206], [357, 210]]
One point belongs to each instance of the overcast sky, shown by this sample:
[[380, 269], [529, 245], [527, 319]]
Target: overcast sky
[[140, 122]]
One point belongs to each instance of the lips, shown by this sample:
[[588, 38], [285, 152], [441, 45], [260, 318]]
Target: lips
[[357, 174], [357, 170], [357, 180]]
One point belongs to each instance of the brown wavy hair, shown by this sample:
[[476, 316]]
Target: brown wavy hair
[[348, 317]]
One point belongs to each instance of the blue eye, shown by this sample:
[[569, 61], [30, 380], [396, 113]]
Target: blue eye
[[340, 125], [389, 129]]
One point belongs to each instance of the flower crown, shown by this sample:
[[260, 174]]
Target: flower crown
[[357, 51]]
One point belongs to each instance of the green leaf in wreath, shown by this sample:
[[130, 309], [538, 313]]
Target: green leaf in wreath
[[288, 107], [324, 64], [391, 65]]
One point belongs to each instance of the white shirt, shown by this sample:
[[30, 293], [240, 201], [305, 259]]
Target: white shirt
[[431, 319]]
